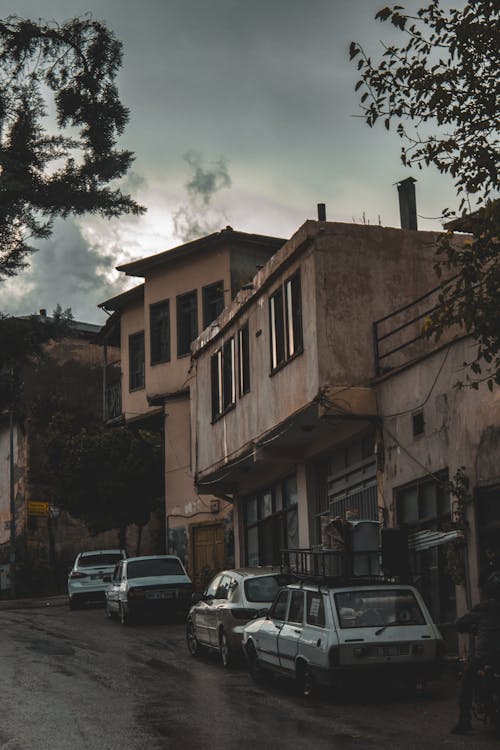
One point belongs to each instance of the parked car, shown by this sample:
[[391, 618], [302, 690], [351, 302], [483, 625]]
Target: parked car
[[154, 584], [324, 635], [218, 616], [85, 580]]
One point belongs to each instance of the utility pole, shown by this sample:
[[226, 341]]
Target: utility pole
[[12, 504]]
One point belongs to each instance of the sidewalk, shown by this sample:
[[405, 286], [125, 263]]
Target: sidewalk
[[39, 602]]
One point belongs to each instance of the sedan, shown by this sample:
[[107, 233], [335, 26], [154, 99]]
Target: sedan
[[233, 598], [86, 579], [155, 584]]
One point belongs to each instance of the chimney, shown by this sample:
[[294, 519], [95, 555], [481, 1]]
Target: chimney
[[407, 203], [321, 212], [43, 313]]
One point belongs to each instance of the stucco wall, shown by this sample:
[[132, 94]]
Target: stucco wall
[[460, 429], [134, 403]]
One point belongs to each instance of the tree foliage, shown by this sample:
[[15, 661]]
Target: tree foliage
[[107, 477], [67, 71], [439, 89]]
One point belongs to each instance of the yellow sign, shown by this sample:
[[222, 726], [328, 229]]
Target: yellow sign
[[38, 508]]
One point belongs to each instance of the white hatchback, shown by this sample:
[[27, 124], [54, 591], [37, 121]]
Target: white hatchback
[[85, 581], [322, 634]]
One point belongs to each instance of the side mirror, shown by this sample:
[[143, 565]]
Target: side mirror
[[106, 579]]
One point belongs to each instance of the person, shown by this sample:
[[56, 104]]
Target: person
[[483, 621]]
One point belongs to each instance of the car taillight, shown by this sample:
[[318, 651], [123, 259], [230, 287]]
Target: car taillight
[[77, 574]]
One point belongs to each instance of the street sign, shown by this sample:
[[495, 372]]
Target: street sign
[[36, 508]]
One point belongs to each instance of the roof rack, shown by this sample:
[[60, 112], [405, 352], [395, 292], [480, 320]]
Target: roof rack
[[326, 566]]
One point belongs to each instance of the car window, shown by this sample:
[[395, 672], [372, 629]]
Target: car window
[[278, 610], [262, 588], [213, 586], [296, 611], [375, 608], [233, 587], [315, 609], [106, 558], [154, 567], [223, 588]]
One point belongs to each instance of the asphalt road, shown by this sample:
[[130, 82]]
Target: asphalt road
[[76, 681]]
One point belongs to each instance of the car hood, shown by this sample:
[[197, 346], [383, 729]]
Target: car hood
[[158, 581]]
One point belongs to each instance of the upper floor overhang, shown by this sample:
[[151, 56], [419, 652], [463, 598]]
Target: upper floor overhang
[[338, 414]]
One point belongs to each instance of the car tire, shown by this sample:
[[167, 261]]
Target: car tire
[[192, 641], [305, 681], [226, 655], [257, 674], [124, 616]]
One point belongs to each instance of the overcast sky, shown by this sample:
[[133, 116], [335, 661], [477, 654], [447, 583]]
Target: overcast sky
[[242, 113]]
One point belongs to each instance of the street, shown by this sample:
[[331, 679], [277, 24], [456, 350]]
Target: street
[[74, 681]]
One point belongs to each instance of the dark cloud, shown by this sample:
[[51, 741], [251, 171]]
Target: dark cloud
[[65, 270], [197, 216]]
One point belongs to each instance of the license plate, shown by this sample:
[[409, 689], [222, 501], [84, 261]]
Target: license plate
[[160, 594]]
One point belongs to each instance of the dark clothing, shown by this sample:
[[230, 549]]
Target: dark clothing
[[484, 621]]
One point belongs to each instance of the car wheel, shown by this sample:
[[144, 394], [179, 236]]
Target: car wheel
[[305, 681], [192, 641], [226, 654], [124, 616], [256, 672]]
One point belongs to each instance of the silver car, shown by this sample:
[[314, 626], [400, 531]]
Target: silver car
[[85, 581], [151, 584], [218, 616]]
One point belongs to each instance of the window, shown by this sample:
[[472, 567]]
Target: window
[[296, 612], [213, 302], [271, 523], [159, 323], [222, 373], [278, 611], [187, 322], [315, 614], [136, 361], [285, 316], [243, 360], [418, 423]]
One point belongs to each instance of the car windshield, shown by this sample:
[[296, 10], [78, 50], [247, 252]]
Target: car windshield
[[157, 567], [104, 558], [261, 589], [378, 608]]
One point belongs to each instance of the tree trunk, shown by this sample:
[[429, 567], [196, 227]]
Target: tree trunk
[[139, 539]]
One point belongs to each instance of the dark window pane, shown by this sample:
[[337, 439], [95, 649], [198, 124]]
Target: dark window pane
[[315, 613], [262, 589], [136, 360], [296, 611], [156, 567], [213, 302], [228, 375], [293, 315], [187, 322], [278, 612], [216, 376], [244, 360], [159, 316]]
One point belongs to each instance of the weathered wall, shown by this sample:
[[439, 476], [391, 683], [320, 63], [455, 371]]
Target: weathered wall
[[462, 428]]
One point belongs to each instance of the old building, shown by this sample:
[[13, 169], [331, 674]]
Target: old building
[[68, 377], [183, 292], [303, 392]]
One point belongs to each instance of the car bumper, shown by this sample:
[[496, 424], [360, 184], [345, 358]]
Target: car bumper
[[400, 672], [139, 607]]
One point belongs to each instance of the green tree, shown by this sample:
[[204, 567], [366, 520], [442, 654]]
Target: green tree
[[54, 171], [107, 477], [439, 89]]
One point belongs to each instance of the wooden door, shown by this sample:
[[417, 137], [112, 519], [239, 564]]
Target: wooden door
[[208, 553]]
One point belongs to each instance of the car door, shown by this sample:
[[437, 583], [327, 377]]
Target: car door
[[318, 632], [217, 605], [114, 587], [290, 633], [202, 613], [267, 638]]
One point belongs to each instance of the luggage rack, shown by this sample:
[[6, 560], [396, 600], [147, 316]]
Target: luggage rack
[[334, 567]]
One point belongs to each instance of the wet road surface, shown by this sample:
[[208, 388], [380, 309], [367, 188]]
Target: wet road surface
[[76, 681]]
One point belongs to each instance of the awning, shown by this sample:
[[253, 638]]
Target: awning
[[422, 540]]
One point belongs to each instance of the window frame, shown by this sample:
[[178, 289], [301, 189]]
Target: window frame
[[286, 336], [133, 383], [244, 385], [155, 328], [206, 302], [223, 379], [184, 351]]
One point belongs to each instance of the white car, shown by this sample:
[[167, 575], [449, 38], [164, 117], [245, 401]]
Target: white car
[[147, 585], [322, 634], [85, 581]]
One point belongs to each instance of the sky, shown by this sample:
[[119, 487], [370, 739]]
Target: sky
[[242, 114]]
